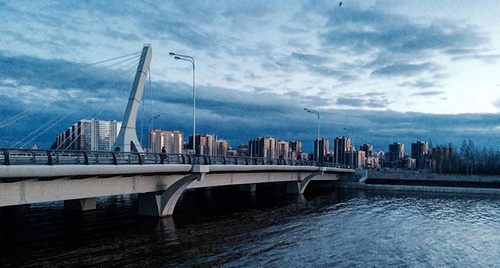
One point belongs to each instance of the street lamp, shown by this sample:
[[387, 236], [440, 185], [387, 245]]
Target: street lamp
[[149, 125], [317, 113], [150, 122], [190, 59]]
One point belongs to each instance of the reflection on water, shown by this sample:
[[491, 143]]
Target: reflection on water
[[227, 227]]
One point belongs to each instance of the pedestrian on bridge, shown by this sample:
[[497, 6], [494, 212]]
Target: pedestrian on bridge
[[163, 155]]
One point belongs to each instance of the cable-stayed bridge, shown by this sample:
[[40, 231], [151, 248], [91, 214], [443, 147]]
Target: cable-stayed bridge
[[78, 177], [31, 176]]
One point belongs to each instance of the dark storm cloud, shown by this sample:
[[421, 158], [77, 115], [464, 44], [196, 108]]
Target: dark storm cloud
[[360, 102], [239, 116], [352, 102], [394, 41], [60, 74], [369, 29]]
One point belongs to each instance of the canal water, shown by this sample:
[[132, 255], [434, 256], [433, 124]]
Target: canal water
[[226, 228]]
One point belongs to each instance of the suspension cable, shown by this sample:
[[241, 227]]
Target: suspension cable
[[96, 115], [13, 119], [45, 130], [125, 60]]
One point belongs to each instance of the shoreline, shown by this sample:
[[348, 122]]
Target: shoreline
[[415, 181]]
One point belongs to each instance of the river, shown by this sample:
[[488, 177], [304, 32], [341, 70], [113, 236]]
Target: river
[[338, 228]]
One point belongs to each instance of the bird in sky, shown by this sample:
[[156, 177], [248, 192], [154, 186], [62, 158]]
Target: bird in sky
[[340, 4]]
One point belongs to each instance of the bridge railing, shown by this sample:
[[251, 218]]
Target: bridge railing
[[56, 157]]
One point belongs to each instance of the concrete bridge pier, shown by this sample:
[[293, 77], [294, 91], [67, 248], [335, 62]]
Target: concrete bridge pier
[[299, 187], [251, 188], [162, 203], [83, 204]]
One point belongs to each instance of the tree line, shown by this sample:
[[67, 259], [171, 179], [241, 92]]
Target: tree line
[[469, 160]]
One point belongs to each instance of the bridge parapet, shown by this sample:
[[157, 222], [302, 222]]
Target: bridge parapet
[[10, 157]]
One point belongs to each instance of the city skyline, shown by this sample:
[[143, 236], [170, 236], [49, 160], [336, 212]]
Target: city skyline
[[433, 78], [99, 135]]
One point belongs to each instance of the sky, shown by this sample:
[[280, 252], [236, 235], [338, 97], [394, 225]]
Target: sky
[[377, 71]]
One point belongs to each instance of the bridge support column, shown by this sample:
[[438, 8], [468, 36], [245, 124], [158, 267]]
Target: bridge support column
[[248, 187], [161, 204], [293, 188], [80, 204], [299, 187]]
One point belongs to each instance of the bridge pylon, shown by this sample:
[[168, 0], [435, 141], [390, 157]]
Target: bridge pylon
[[127, 140]]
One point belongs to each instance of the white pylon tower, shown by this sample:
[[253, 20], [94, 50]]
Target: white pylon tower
[[127, 140]]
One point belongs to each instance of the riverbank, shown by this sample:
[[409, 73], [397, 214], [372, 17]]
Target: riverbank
[[402, 180]]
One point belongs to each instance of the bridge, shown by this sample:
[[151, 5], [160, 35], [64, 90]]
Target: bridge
[[78, 177]]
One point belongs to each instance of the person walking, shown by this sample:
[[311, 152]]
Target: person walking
[[163, 155]]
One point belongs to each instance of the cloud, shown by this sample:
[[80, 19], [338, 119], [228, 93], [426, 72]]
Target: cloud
[[420, 84], [279, 53], [125, 36], [230, 78], [352, 102], [292, 30], [365, 30], [61, 74], [428, 93], [405, 69], [393, 42], [497, 104], [310, 58], [360, 102], [486, 58]]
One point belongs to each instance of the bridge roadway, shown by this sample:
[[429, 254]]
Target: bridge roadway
[[31, 176]]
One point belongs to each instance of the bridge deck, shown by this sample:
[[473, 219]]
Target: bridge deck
[[25, 178]]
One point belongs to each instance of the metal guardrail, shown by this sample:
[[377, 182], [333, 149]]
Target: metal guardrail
[[10, 157]]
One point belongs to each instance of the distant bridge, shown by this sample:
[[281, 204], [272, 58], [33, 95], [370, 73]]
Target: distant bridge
[[78, 177]]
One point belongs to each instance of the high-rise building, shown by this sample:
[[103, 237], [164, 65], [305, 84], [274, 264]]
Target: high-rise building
[[419, 151], [221, 147], [283, 148], [204, 144], [322, 146], [88, 135], [355, 159], [172, 140], [341, 146], [295, 150], [368, 148], [396, 151], [263, 147], [242, 150]]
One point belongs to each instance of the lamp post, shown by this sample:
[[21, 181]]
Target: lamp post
[[317, 113], [150, 127], [150, 123], [190, 59]]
